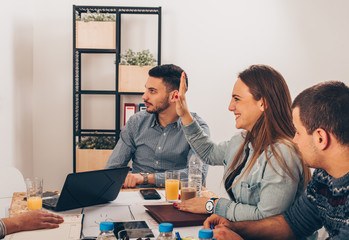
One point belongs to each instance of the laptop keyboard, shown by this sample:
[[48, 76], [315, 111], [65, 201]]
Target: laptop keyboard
[[52, 202]]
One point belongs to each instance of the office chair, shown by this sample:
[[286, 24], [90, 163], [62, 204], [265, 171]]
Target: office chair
[[11, 180]]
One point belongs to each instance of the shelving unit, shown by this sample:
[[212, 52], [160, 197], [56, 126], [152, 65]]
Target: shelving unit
[[78, 91]]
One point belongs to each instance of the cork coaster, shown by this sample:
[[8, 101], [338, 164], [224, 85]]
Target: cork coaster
[[18, 205]]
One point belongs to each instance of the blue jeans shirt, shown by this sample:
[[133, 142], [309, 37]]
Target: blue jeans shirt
[[153, 148], [265, 190]]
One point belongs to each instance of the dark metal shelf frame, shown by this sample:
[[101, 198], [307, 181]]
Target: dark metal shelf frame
[[78, 132]]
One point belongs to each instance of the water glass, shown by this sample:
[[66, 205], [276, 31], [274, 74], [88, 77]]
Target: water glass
[[34, 193]]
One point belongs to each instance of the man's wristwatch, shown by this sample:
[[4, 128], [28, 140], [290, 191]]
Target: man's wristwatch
[[210, 205], [145, 177]]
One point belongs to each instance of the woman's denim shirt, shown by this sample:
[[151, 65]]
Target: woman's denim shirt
[[265, 190]]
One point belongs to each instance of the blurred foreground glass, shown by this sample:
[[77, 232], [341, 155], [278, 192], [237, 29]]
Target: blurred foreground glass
[[34, 193], [172, 185]]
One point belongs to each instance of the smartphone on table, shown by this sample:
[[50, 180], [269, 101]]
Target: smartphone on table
[[150, 194]]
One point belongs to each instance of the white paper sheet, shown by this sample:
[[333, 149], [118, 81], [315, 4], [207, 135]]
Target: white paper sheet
[[101, 213]]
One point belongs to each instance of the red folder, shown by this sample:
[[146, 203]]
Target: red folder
[[129, 110]]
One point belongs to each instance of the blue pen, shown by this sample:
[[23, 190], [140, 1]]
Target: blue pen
[[212, 226], [178, 236]]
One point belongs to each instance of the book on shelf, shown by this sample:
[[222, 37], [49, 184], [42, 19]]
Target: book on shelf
[[129, 110]]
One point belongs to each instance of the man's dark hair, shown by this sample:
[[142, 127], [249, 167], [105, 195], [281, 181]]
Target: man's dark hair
[[326, 106], [170, 74]]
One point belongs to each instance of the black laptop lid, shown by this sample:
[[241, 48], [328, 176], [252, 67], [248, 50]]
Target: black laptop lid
[[91, 188]]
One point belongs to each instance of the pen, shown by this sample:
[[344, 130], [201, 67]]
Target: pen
[[178, 236], [212, 226]]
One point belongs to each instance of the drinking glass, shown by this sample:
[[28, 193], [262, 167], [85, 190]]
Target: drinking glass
[[172, 179], [187, 189], [34, 193]]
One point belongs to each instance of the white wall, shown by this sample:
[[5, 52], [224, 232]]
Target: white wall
[[6, 92], [307, 41], [16, 144]]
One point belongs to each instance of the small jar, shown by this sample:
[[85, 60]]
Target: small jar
[[205, 234], [165, 230], [107, 231]]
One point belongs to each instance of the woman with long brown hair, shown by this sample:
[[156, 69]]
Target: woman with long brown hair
[[263, 171]]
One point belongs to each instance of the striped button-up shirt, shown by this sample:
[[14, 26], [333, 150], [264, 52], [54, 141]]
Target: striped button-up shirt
[[153, 148]]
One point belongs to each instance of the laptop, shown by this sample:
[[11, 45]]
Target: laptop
[[88, 188]]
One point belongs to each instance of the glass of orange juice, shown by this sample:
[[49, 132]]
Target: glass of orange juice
[[172, 179], [34, 193]]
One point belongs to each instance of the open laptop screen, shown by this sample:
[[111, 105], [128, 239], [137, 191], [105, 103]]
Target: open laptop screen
[[90, 188]]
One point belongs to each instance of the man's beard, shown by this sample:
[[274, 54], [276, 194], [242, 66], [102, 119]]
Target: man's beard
[[160, 107]]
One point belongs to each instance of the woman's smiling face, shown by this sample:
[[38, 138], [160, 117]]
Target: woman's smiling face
[[247, 110]]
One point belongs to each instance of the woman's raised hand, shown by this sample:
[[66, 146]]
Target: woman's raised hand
[[181, 103]]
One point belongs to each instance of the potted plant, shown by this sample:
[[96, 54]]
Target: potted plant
[[96, 30], [93, 152], [133, 70]]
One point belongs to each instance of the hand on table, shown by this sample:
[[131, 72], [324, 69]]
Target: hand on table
[[223, 233], [181, 104], [32, 220], [132, 179], [216, 220], [193, 205]]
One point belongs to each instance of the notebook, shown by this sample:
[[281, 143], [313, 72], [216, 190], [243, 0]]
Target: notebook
[[88, 188], [170, 214]]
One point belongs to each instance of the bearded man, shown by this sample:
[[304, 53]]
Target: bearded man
[[154, 139]]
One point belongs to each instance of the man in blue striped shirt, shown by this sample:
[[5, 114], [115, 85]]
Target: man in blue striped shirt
[[154, 139]]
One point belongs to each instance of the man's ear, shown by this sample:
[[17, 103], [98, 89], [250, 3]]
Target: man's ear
[[321, 138], [172, 95]]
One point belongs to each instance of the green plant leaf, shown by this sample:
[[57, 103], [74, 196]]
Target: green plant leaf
[[96, 16], [97, 142], [143, 58]]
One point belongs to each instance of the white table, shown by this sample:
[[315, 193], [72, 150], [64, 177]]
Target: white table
[[128, 206]]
